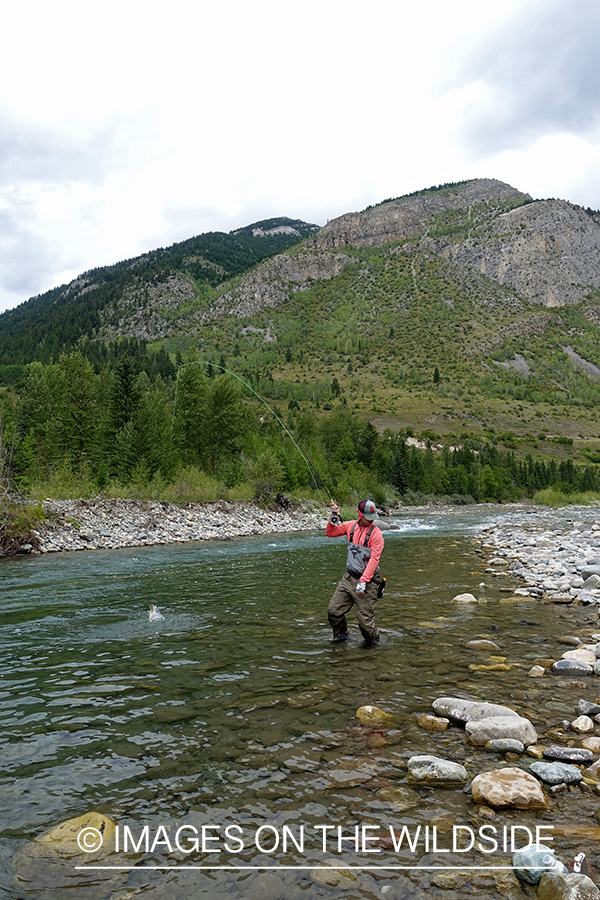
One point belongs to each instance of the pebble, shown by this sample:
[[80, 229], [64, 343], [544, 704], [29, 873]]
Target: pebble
[[433, 770], [556, 772], [537, 752], [536, 672], [582, 724], [569, 754], [554, 555]]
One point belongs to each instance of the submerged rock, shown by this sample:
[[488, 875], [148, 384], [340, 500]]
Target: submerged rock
[[482, 645], [433, 723], [47, 866], [325, 874], [351, 777], [372, 715], [493, 667], [433, 770], [400, 798], [268, 886]]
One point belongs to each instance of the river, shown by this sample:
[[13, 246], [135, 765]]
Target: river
[[235, 709]]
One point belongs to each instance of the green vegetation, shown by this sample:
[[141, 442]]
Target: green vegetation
[[18, 515], [76, 432], [450, 187], [402, 344], [56, 321]]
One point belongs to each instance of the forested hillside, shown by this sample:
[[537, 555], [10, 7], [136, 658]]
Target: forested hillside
[[204, 434], [56, 321], [389, 353]]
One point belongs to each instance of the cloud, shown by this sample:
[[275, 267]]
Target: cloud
[[537, 75], [36, 152], [50, 182], [25, 258]]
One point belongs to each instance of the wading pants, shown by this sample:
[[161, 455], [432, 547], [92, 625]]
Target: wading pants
[[342, 601]]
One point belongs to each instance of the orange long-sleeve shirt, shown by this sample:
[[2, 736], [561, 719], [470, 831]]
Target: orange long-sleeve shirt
[[375, 544]]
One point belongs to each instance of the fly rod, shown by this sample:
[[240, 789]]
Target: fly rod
[[316, 478]]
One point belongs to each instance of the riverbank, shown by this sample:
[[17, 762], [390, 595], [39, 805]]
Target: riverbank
[[556, 553], [114, 524]]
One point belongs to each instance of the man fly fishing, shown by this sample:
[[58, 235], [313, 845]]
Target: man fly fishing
[[362, 582]]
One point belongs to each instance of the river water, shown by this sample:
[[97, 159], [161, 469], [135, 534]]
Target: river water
[[236, 710]]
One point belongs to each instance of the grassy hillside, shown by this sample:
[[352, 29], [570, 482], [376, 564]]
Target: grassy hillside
[[416, 342]]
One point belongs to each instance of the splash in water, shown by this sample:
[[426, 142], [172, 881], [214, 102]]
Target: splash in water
[[154, 614]]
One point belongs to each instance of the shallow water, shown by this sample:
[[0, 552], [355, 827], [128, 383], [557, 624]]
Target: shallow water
[[235, 709]]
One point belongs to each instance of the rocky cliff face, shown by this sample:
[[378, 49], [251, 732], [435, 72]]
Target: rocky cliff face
[[408, 216], [548, 252], [148, 311], [274, 281]]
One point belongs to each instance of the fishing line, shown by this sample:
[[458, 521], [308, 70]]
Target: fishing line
[[310, 466]]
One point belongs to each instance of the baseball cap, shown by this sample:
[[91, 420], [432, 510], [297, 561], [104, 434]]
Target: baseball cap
[[367, 509]]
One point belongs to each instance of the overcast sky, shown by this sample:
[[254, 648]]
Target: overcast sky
[[129, 125]]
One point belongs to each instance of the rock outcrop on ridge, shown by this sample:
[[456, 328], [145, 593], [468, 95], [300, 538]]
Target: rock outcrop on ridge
[[407, 216]]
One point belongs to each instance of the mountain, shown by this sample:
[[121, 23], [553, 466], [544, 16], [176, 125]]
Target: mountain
[[140, 296], [547, 252], [463, 307]]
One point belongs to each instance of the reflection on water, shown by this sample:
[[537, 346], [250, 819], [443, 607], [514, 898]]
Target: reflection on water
[[236, 709]]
